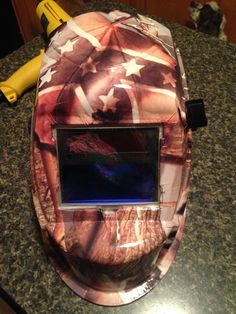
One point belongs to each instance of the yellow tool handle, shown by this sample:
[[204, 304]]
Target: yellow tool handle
[[51, 15], [24, 78]]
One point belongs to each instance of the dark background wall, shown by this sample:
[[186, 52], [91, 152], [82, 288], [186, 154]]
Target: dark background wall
[[11, 38]]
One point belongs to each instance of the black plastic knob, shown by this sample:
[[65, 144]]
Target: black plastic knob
[[195, 114]]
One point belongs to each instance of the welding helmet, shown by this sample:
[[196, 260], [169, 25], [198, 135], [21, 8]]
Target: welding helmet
[[111, 154]]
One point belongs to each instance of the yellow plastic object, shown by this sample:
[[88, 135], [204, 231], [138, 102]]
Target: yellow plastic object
[[24, 78], [51, 15]]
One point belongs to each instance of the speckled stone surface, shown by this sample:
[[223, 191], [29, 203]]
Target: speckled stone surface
[[202, 278]]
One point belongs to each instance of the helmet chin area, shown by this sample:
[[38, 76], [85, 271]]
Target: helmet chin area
[[111, 154]]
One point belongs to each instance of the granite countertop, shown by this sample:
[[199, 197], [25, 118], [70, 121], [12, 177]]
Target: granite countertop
[[202, 278]]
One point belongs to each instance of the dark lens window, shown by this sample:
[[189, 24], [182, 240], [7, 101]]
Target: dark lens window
[[108, 165]]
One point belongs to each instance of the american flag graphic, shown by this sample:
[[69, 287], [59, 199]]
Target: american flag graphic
[[107, 68]]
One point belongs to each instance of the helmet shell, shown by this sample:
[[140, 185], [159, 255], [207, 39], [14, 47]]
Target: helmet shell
[[112, 70]]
